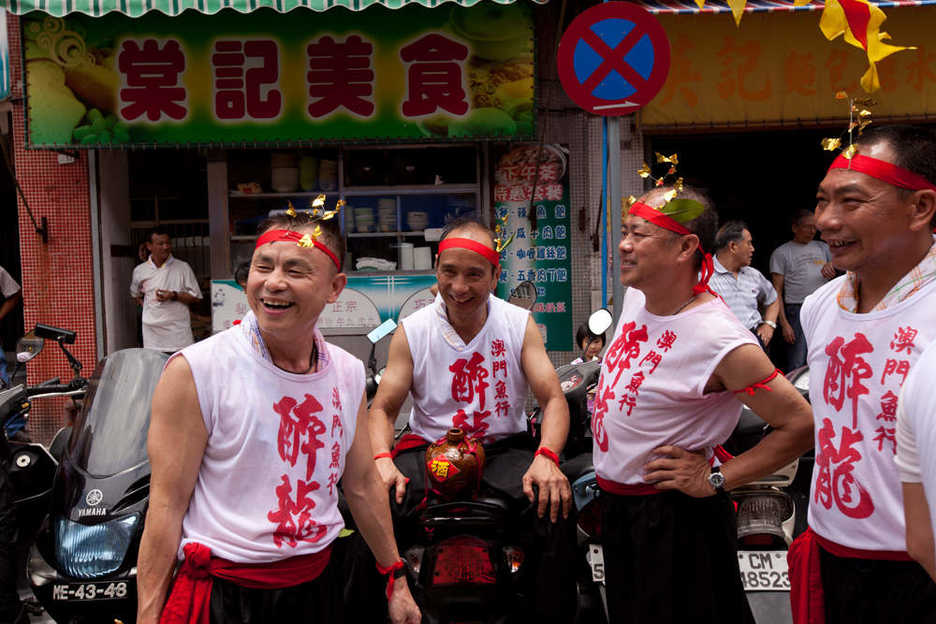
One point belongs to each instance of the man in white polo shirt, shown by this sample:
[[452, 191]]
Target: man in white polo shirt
[[165, 286], [865, 331]]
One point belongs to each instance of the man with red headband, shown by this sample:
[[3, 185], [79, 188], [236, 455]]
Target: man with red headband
[[865, 331], [671, 387], [467, 360], [250, 432]]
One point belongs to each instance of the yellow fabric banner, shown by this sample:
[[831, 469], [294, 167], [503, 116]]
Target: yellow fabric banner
[[778, 68]]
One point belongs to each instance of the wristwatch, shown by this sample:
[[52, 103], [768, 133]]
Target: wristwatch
[[771, 323], [717, 480]]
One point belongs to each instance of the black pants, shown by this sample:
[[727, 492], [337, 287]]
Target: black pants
[[315, 602], [550, 548], [670, 558], [871, 590]]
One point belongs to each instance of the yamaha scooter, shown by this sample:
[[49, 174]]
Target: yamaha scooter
[[82, 567]]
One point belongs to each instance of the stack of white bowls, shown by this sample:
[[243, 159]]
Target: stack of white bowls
[[386, 214], [417, 220], [284, 172], [364, 220]]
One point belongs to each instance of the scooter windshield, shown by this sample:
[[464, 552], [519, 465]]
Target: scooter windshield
[[110, 432]]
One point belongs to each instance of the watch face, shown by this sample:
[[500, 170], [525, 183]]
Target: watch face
[[717, 480]]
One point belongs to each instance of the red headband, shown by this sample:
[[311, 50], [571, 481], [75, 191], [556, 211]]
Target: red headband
[[884, 171], [272, 236], [466, 243], [656, 217]]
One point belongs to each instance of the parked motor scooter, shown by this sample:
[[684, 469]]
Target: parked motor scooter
[[82, 567], [31, 468], [771, 513]]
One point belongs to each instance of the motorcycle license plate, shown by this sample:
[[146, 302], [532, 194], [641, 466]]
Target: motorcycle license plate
[[83, 592], [764, 570], [596, 561]]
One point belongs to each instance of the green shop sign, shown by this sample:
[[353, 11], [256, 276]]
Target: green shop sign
[[271, 78], [535, 210]]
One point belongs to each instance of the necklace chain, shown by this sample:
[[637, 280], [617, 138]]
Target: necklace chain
[[680, 308]]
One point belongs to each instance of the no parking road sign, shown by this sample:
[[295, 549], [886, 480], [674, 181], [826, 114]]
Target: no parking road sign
[[613, 58]]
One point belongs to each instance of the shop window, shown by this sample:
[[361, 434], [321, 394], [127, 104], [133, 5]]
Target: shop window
[[393, 195]]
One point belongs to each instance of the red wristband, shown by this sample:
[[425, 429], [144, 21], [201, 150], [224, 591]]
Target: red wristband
[[390, 570], [384, 454], [548, 453]]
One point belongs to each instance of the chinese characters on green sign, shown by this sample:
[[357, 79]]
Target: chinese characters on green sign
[[414, 73], [541, 248]]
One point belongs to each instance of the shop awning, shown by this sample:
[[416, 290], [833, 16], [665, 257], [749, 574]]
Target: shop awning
[[668, 7], [136, 8]]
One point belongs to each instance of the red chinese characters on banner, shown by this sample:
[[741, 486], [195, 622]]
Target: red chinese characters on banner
[[293, 516], [246, 80], [299, 430], [468, 379], [835, 481], [435, 76], [845, 371], [151, 78], [340, 76]]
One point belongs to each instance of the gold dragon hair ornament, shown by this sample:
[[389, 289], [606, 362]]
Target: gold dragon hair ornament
[[678, 208], [499, 231], [859, 116]]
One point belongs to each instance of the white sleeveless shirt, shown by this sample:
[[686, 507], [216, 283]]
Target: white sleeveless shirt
[[857, 365], [267, 487], [652, 386], [479, 387]]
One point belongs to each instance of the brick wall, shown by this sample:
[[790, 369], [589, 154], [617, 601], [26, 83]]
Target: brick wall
[[58, 282]]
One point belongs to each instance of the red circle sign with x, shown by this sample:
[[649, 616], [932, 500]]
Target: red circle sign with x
[[613, 58]]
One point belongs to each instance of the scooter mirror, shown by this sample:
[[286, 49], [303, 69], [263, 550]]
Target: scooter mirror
[[381, 330], [524, 295], [600, 321], [27, 348]]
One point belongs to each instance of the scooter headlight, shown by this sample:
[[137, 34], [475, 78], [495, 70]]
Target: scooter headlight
[[91, 550]]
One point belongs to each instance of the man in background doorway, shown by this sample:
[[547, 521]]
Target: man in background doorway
[[744, 288], [165, 286], [12, 295], [797, 268]]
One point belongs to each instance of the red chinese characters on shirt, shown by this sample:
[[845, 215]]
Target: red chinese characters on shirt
[[299, 430], [835, 481], [246, 79], [468, 379], [631, 392], [903, 340], [340, 76], [435, 76], [293, 516], [603, 397], [151, 78], [475, 426], [624, 348], [845, 371]]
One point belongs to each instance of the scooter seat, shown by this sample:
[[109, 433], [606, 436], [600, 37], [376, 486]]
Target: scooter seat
[[577, 466]]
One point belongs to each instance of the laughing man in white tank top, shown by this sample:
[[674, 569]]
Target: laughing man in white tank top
[[865, 331], [251, 430], [467, 361], [671, 386]]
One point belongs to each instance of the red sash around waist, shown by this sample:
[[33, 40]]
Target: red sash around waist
[[806, 593], [623, 489], [189, 599]]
